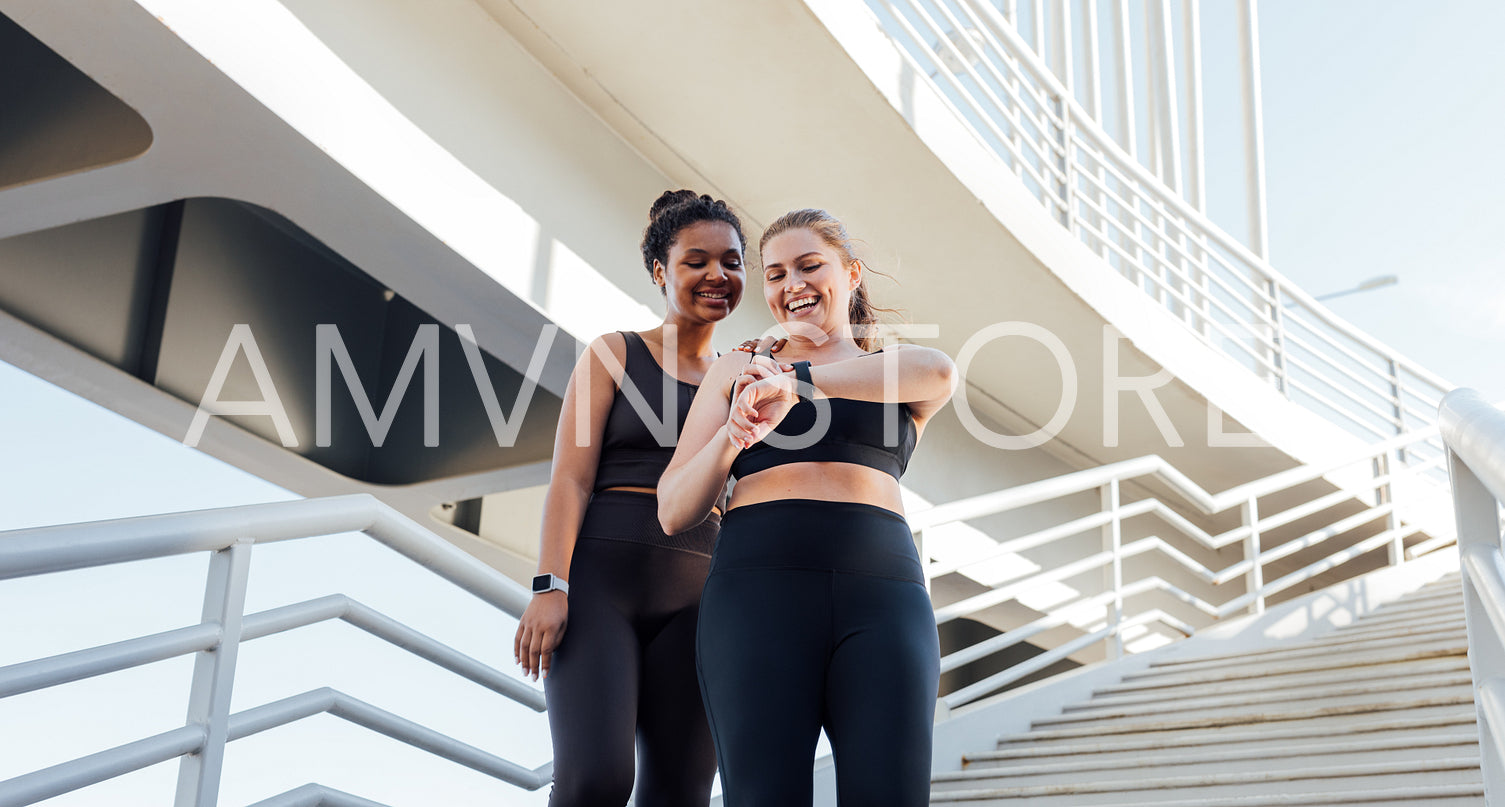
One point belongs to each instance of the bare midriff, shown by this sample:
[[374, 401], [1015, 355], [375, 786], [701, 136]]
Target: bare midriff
[[654, 491], [823, 481]]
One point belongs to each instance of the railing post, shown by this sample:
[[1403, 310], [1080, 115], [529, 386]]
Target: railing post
[[1383, 495], [1478, 518], [1397, 405], [1255, 578], [1113, 542], [1067, 164], [1254, 127], [214, 675], [1277, 338]]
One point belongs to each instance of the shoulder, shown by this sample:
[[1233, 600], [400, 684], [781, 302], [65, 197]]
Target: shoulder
[[726, 367], [614, 343], [608, 353], [728, 364], [731, 361]]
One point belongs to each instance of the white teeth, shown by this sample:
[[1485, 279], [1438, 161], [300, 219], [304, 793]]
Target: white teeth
[[710, 296], [801, 304]]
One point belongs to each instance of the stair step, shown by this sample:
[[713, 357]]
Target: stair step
[[1320, 750], [1425, 594], [1278, 709], [1439, 610], [1336, 718], [1465, 795], [1439, 606], [1333, 643], [1462, 770], [1336, 694], [1037, 746], [1152, 690], [1311, 659], [1303, 651], [1452, 581], [1441, 622]]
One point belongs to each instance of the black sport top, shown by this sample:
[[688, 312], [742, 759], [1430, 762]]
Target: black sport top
[[854, 434], [635, 453]]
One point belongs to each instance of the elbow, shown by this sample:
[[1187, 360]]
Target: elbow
[[943, 374], [668, 520]]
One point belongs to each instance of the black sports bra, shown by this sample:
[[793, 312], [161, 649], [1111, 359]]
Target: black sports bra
[[854, 434], [635, 453]]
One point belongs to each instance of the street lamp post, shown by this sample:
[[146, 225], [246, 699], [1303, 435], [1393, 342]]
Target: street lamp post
[[1372, 283]]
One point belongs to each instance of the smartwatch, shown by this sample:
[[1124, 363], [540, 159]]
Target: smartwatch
[[548, 582]]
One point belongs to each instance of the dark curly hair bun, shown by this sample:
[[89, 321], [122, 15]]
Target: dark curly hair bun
[[669, 199], [673, 211]]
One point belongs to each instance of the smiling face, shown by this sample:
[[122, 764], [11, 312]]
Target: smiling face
[[704, 277], [806, 281]]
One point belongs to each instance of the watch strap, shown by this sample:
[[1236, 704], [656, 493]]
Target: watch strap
[[546, 582]]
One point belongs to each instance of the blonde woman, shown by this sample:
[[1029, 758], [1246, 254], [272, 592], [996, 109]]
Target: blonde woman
[[815, 613]]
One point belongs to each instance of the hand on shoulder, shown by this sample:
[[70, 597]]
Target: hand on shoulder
[[766, 345]]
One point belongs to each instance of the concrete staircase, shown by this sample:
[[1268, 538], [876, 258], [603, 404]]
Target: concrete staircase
[[1377, 712]]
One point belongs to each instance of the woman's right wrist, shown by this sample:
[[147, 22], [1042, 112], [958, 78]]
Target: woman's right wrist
[[729, 448]]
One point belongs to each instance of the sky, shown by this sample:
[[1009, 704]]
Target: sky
[[1382, 120]]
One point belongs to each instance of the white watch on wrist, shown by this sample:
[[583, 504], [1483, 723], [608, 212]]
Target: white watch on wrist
[[547, 582]]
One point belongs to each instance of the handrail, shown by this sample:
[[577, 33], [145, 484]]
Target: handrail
[[1151, 465], [229, 534], [1381, 518], [316, 795], [1474, 433], [338, 704], [984, 71], [42, 550], [56, 780]]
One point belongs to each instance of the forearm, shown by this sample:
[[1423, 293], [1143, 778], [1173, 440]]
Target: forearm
[[687, 492], [563, 510], [897, 376]]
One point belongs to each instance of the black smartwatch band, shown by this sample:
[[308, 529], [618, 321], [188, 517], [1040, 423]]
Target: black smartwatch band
[[805, 388]]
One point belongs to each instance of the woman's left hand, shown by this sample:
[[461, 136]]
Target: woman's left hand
[[767, 345], [760, 406]]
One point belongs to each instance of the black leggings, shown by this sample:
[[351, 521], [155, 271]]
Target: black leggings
[[815, 615], [625, 669]]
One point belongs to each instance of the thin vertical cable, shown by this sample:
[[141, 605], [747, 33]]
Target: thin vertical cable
[[1124, 77], [1196, 182], [1093, 77], [1163, 76], [1060, 46], [1254, 127]]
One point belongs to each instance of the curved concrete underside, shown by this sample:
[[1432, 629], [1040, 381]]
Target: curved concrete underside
[[762, 103], [566, 118]]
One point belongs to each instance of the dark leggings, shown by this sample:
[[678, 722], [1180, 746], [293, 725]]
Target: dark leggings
[[815, 615], [625, 669]]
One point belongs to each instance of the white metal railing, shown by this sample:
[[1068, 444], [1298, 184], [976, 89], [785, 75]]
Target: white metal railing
[[996, 83], [1474, 432], [229, 534], [1380, 519]]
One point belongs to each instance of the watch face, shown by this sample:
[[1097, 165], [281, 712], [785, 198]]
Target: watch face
[[541, 583]]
